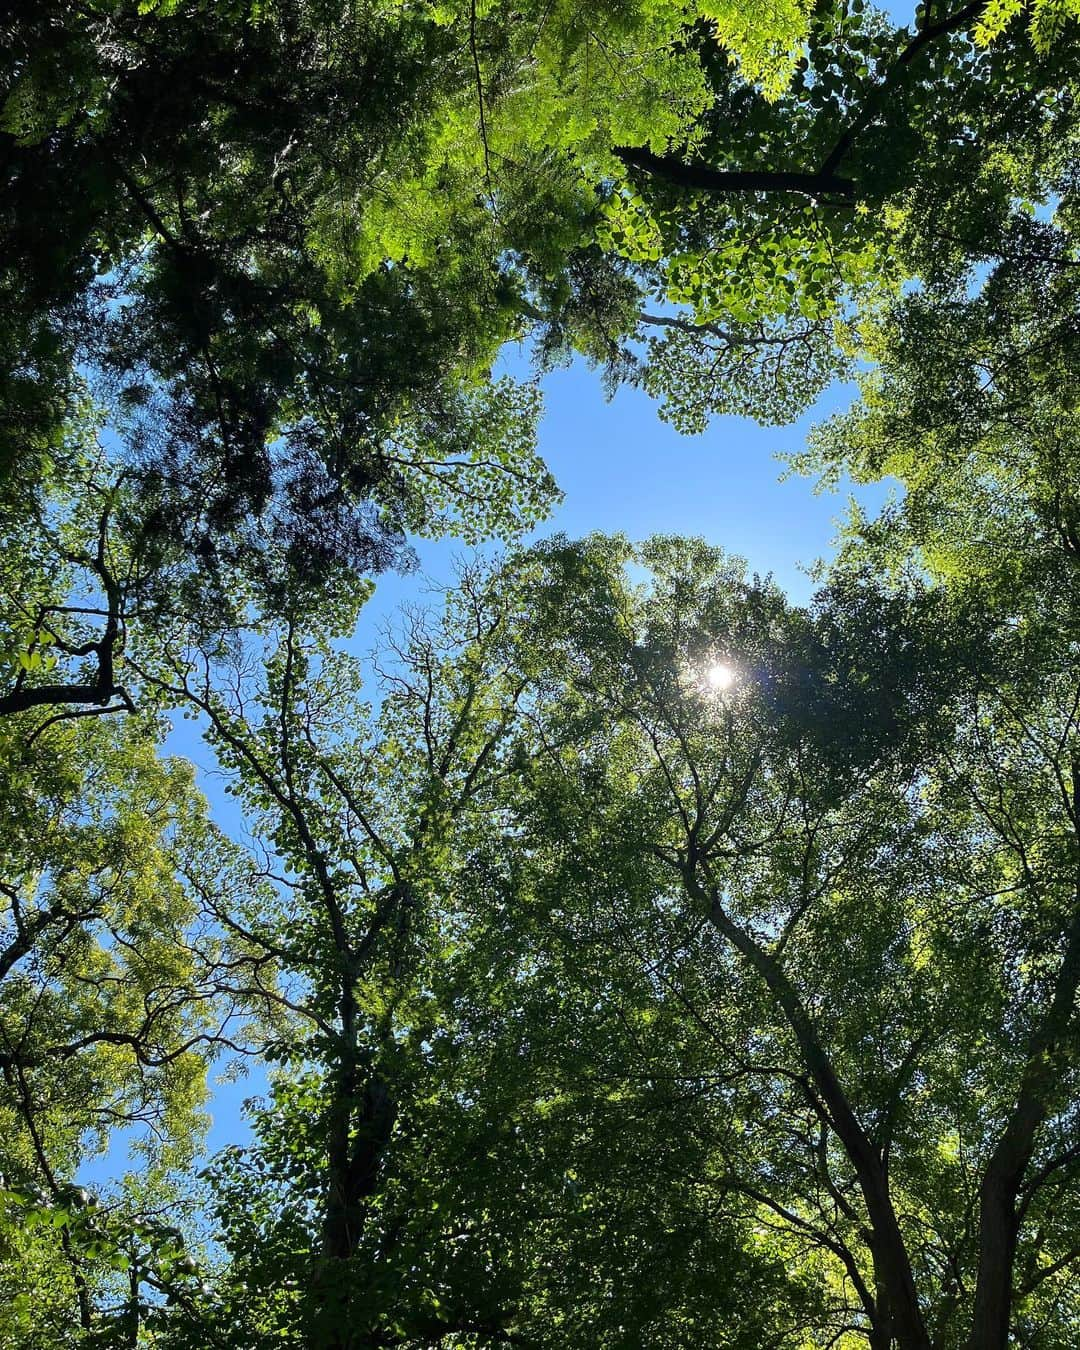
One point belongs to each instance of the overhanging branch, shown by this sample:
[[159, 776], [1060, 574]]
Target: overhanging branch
[[722, 181]]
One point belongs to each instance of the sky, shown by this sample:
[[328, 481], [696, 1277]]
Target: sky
[[621, 469]]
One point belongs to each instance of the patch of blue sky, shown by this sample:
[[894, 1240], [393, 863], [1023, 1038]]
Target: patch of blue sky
[[621, 470]]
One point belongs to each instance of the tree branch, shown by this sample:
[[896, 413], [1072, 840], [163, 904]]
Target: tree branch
[[723, 181], [866, 114]]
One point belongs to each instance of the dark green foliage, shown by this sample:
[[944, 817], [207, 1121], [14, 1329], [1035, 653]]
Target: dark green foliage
[[182, 216], [636, 958]]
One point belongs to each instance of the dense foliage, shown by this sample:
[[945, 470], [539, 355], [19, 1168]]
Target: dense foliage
[[624, 955]]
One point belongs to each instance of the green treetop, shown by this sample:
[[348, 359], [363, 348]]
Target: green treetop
[[287, 240]]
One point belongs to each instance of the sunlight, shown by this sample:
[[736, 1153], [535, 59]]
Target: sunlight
[[719, 677]]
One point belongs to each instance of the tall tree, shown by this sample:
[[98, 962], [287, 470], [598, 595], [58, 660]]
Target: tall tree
[[112, 1003], [362, 819], [982, 436], [433, 1165], [868, 817]]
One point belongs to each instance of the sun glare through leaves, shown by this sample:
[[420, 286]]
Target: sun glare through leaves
[[719, 676]]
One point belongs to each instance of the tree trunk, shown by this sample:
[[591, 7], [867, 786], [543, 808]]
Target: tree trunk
[[891, 1262], [360, 1121], [998, 1219]]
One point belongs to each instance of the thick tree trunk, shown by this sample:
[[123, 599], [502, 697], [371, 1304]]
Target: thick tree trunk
[[997, 1253], [360, 1133]]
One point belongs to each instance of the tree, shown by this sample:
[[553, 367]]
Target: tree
[[112, 1002], [427, 1168], [979, 429], [876, 900], [287, 240], [363, 831]]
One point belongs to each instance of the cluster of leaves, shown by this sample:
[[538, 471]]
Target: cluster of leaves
[[281, 237], [598, 1005], [114, 1250], [284, 240]]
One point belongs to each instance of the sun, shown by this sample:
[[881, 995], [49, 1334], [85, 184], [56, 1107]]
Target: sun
[[719, 677]]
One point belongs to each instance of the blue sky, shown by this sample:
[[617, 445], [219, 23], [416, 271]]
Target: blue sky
[[621, 469]]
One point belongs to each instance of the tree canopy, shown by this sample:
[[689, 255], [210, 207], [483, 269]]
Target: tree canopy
[[284, 243], [626, 955]]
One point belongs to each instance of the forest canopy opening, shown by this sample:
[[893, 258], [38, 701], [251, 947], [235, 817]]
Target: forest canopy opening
[[633, 949]]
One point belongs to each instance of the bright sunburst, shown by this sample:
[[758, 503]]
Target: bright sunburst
[[719, 677]]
